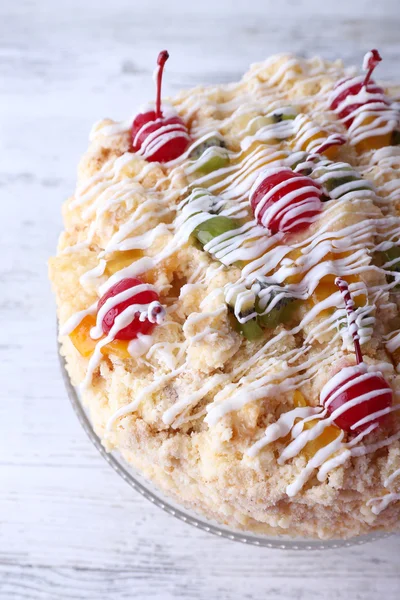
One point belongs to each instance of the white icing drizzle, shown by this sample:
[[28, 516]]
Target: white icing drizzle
[[282, 427], [170, 414], [145, 393], [75, 248], [380, 503], [140, 345], [94, 273], [319, 253], [315, 462], [391, 478]]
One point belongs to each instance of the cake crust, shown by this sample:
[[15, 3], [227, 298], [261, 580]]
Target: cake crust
[[192, 407]]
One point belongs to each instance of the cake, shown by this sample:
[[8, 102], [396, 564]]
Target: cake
[[228, 302]]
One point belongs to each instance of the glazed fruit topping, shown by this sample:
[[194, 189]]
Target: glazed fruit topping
[[213, 141], [337, 179], [157, 136], [351, 94], [265, 306], [135, 304], [356, 397], [285, 201], [212, 228]]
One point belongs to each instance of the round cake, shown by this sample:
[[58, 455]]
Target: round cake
[[228, 301]]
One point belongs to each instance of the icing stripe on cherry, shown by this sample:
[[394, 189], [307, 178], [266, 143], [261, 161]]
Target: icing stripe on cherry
[[285, 201], [138, 301]]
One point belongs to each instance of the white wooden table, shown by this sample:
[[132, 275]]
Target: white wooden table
[[69, 527]]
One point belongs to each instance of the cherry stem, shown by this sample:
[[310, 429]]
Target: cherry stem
[[161, 60], [371, 60], [349, 305]]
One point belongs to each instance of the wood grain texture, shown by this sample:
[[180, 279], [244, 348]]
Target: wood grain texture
[[69, 527]]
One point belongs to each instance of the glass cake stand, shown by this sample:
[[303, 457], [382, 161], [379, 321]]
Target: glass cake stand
[[155, 496]]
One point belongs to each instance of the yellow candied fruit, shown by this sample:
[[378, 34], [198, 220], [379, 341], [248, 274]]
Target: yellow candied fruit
[[327, 287], [273, 155], [298, 399], [117, 348], [296, 277], [310, 142], [169, 267], [122, 260], [329, 434], [80, 337], [320, 136], [375, 141], [332, 152]]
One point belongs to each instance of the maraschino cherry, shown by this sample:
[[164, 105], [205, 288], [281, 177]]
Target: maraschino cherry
[[156, 136], [285, 201], [143, 322], [341, 101], [356, 397]]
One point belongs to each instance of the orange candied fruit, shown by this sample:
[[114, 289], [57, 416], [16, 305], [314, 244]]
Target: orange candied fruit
[[320, 136], [328, 435], [327, 287], [80, 337], [374, 142], [122, 260]]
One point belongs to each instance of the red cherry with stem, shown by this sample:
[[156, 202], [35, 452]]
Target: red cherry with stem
[[285, 201], [137, 325], [156, 137], [356, 397], [371, 60]]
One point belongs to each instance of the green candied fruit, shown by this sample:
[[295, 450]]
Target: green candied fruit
[[395, 141], [281, 116], [212, 160], [212, 228], [390, 255], [265, 120], [251, 330], [280, 313], [211, 142], [301, 158], [333, 182], [204, 200], [259, 123]]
